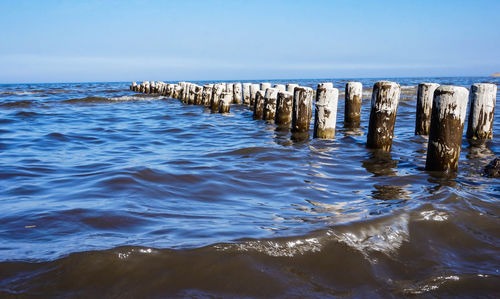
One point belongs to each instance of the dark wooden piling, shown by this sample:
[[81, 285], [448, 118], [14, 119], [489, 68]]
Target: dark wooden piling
[[326, 111], [206, 96], [185, 92], [225, 102], [246, 94], [270, 100], [425, 96], [482, 111], [253, 92], [258, 109], [236, 93], [216, 96], [353, 99], [284, 105], [176, 93], [229, 89], [302, 109], [191, 95], [384, 106], [198, 93], [446, 129]]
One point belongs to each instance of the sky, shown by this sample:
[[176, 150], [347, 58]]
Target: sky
[[135, 40]]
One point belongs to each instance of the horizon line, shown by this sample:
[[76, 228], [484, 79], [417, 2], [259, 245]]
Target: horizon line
[[265, 79]]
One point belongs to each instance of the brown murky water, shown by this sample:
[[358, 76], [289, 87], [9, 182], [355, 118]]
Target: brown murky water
[[108, 193]]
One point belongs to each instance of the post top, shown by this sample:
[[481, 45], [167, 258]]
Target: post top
[[325, 85], [484, 87], [451, 89], [387, 83], [428, 84]]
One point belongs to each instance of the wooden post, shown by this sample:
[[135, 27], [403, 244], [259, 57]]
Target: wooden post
[[482, 111], [198, 92], [182, 85], [258, 109], [229, 88], [206, 96], [384, 106], [280, 87], [133, 86], [425, 96], [169, 90], [216, 95], [147, 88], [326, 111], [236, 93], [290, 87], [302, 109], [177, 91], [225, 102], [325, 85], [185, 92], [253, 92], [270, 99], [447, 124], [353, 99], [284, 109], [191, 96], [246, 93], [264, 86]]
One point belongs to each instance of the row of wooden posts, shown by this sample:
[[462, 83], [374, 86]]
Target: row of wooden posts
[[440, 111]]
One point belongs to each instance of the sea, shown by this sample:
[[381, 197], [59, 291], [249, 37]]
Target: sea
[[108, 193]]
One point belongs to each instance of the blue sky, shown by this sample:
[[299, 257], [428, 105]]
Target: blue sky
[[97, 40]]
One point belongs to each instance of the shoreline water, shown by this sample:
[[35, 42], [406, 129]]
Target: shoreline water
[[131, 197]]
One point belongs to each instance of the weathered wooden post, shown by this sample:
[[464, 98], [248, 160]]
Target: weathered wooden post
[[325, 85], [447, 125], [216, 95], [270, 99], [207, 94], [147, 88], [198, 92], [353, 98], [302, 111], [177, 91], [284, 109], [185, 92], [482, 111], [181, 91], [258, 109], [191, 96], [246, 93], [384, 106], [264, 86], [236, 93], [425, 96], [253, 92], [280, 87], [229, 88], [133, 86], [169, 90], [290, 87], [225, 102], [326, 111]]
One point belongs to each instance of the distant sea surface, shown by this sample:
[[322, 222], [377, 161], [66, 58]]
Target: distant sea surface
[[109, 193]]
